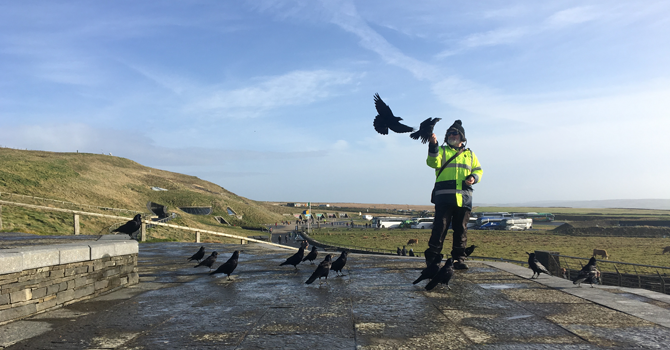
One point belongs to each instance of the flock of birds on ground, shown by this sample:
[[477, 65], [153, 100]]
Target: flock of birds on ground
[[322, 270], [433, 272]]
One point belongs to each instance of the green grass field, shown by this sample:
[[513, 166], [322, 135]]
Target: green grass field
[[511, 245]]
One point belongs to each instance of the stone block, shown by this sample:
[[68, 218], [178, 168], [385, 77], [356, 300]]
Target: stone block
[[35, 257], [101, 284], [46, 303], [53, 289], [133, 278], [82, 292], [62, 286], [101, 250], [10, 262], [64, 296], [80, 281], [21, 295], [17, 312], [39, 293], [57, 273], [126, 247], [70, 253], [4, 299]]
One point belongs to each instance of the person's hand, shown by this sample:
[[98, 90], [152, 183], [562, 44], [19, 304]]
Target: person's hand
[[470, 180], [433, 139]]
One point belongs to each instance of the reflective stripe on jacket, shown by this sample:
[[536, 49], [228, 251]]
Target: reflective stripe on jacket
[[450, 187]]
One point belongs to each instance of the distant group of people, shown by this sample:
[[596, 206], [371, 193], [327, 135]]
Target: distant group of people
[[405, 252]]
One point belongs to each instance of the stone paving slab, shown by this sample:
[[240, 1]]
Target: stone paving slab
[[375, 306]]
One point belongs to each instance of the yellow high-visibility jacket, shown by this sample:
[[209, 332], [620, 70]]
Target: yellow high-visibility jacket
[[450, 187]]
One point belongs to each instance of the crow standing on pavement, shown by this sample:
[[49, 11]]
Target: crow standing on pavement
[[536, 266], [588, 274], [296, 258], [131, 226], [229, 266], [321, 271], [199, 255], [385, 119], [425, 130], [338, 264], [209, 261], [430, 271], [443, 276], [311, 256]]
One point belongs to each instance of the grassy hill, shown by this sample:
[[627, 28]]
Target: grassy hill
[[107, 181]]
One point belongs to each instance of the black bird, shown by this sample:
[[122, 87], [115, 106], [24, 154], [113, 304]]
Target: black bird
[[430, 271], [311, 256], [209, 261], [321, 271], [339, 263], [385, 119], [469, 250], [588, 274], [536, 266], [425, 130], [398, 251], [296, 258], [443, 276], [403, 252], [229, 266], [131, 226], [199, 255]]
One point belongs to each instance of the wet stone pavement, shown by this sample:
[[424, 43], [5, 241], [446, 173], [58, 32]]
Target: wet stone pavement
[[375, 306]]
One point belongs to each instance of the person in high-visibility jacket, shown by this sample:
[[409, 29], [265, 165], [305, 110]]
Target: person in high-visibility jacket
[[452, 194]]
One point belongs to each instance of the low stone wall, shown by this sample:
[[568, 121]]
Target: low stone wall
[[36, 279]]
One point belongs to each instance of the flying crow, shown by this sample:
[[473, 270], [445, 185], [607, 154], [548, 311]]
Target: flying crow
[[339, 263], [588, 274], [469, 250], [431, 270], [229, 266], [311, 256], [131, 226], [385, 119], [443, 276], [199, 255], [321, 271], [425, 130], [296, 258], [536, 266]]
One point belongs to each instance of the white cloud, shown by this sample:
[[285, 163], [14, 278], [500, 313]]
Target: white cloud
[[291, 89], [572, 16]]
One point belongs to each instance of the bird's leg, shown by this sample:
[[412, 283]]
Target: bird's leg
[[448, 287]]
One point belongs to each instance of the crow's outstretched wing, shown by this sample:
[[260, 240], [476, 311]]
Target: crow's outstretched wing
[[385, 119], [425, 130]]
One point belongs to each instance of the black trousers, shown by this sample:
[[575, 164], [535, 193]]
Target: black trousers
[[458, 217]]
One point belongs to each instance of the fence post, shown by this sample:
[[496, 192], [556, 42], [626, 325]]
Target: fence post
[[143, 231], [197, 236], [76, 224], [619, 275], [662, 281], [639, 280]]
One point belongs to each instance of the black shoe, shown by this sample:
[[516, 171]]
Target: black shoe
[[460, 265], [430, 255]]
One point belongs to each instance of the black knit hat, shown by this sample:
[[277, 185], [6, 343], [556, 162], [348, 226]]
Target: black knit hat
[[457, 125]]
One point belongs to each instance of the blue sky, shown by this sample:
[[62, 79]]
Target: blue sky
[[273, 100]]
